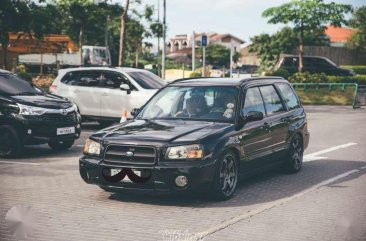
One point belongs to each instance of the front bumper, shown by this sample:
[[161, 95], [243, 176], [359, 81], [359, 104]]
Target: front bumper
[[162, 179]]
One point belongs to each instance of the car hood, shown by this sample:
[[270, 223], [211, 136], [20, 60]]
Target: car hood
[[44, 101], [159, 132]]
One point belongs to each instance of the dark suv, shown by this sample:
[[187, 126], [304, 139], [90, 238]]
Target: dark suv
[[28, 116], [312, 64], [200, 134]]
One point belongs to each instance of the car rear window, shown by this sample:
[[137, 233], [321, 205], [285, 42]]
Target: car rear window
[[147, 80]]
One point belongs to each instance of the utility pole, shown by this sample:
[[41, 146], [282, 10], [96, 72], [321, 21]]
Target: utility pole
[[106, 38], [159, 69], [231, 61], [193, 52], [164, 41], [204, 41]]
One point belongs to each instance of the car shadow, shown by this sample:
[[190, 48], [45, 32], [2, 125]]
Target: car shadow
[[263, 188]]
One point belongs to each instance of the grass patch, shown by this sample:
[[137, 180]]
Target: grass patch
[[324, 96]]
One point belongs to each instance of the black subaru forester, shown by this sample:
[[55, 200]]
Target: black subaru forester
[[28, 116], [200, 134]]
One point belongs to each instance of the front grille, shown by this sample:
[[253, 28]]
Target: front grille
[[66, 120], [116, 154]]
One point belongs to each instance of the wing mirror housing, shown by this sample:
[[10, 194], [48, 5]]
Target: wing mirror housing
[[135, 111], [125, 87], [252, 116]]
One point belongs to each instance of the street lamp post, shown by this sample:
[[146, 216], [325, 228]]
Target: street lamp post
[[164, 41]]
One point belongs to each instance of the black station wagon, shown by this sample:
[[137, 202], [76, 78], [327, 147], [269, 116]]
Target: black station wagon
[[200, 134]]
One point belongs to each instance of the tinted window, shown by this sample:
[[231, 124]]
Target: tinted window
[[11, 84], [82, 78], [147, 80], [289, 96], [253, 101], [272, 101], [114, 80]]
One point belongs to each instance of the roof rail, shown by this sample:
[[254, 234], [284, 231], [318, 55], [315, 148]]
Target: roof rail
[[178, 80], [259, 78]]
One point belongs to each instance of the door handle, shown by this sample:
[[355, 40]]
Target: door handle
[[285, 119], [267, 126]]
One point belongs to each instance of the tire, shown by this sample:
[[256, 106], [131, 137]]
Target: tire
[[294, 157], [61, 145], [10, 143], [226, 177]]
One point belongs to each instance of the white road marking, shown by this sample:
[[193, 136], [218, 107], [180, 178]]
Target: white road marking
[[21, 163], [315, 156], [268, 206]]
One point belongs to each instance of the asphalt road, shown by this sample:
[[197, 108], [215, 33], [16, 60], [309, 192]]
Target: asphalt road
[[325, 201]]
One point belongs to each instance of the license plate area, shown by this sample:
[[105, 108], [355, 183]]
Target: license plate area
[[115, 171], [65, 131]]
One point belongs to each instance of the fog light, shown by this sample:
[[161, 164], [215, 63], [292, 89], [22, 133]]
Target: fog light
[[181, 181], [29, 131]]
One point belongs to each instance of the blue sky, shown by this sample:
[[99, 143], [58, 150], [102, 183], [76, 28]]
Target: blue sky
[[241, 18]]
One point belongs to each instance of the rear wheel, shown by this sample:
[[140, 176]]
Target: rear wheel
[[10, 144], [295, 155], [226, 177], [60, 145]]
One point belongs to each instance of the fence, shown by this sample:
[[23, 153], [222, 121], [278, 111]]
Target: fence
[[331, 86]]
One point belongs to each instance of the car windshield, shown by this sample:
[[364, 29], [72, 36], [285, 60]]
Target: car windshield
[[211, 103], [147, 80], [11, 84]]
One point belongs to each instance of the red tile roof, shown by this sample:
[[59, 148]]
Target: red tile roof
[[341, 34]]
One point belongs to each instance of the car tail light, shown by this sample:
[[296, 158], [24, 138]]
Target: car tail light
[[53, 88]]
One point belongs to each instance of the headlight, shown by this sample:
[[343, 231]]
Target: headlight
[[184, 152], [30, 110], [91, 147]]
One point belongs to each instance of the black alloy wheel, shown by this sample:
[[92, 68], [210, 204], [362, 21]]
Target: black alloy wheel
[[295, 155]]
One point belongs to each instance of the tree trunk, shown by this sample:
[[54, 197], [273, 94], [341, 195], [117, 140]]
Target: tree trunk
[[137, 58], [4, 48], [5, 56], [122, 34], [81, 33], [301, 50]]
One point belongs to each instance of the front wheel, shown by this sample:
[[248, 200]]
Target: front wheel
[[10, 144], [60, 145], [294, 158], [226, 177]]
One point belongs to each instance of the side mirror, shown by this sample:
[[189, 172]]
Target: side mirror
[[135, 111], [253, 116], [125, 87]]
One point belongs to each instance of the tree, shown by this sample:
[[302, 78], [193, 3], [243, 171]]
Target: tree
[[218, 55], [307, 15], [358, 21], [122, 33], [14, 16], [269, 47]]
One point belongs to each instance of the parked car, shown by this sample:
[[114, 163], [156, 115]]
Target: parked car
[[312, 64], [201, 134], [104, 93], [28, 116]]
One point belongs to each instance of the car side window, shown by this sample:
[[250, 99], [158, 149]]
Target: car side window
[[253, 101], [89, 78], [114, 80], [71, 78], [272, 101], [289, 96]]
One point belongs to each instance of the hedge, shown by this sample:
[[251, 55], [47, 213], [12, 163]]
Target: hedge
[[359, 79], [359, 69]]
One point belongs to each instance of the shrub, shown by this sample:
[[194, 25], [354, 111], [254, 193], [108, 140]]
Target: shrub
[[21, 71], [307, 77], [359, 69], [279, 72], [195, 74]]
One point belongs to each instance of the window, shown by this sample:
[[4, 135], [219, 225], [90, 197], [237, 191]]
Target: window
[[272, 101], [147, 80], [253, 101], [113, 80], [82, 78], [11, 84], [289, 96]]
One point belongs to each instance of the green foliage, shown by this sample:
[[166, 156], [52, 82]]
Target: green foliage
[[359, 69], [307, 77], [324, 96], [308, 15], [218, 55], [279, 72], [358, 21], [195, 74], [21, 71]]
